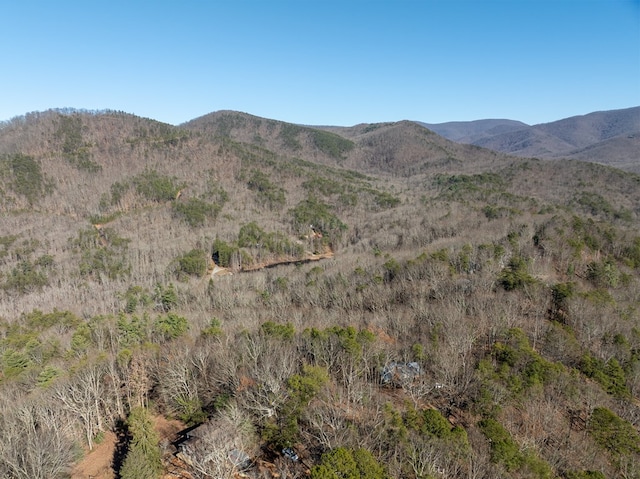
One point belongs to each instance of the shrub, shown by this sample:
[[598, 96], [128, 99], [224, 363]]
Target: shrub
[[171, 326], [223, 253], [166, 297], [313, 212], [193, 263], [47, 376], [603, 274], [26, 277], [102, 253], [156, 187], [503, 448], [214, 329], [196, 211], [616, 435], [515, 275], [435, 424], [609, 374], [27, 177], [342, 463], [273, 196], [281, 331], [331, 144]]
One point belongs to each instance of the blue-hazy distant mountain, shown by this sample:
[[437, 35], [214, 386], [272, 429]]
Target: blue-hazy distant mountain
[[609, 137]]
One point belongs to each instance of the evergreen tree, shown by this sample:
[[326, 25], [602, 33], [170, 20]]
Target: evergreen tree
[[342, 463], [143, 460]]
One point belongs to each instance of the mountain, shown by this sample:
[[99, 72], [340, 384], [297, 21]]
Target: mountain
[[470, 131], [607, 137], [397, 147], [621, 152], [240, 294]]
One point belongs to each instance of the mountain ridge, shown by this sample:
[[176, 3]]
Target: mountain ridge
[[609, 137], [601, 137]]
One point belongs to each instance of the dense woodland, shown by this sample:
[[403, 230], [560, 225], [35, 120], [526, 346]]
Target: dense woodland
[[399, 305]]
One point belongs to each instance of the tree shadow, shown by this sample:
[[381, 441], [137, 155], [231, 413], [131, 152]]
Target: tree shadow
[[123, 438]]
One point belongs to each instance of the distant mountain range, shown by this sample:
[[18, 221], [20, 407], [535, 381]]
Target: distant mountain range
[[607, 137]]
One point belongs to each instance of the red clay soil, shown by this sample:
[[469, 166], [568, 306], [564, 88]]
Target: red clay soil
[[96, 464], [215, 270], [304, 259]]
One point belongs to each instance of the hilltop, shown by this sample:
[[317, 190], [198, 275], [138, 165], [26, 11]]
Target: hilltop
[[399, 303]]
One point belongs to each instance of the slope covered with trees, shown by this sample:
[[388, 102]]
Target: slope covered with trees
[[478, 317]]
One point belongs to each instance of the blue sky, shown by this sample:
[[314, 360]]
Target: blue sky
[[322, 61]]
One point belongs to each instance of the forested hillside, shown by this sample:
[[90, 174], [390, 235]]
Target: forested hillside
[[374, 301]]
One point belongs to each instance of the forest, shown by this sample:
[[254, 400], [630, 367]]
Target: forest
[[242, 297]]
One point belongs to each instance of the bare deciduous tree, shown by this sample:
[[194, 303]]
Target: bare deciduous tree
[[36, 442], [222, 446], [83, 396], [268, 363]]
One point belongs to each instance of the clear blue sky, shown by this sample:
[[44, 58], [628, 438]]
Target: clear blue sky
[[322, 61]]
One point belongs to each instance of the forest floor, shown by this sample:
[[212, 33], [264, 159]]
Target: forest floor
[[97, 464]]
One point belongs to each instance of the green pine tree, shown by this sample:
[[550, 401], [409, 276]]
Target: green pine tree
[[143, 460]]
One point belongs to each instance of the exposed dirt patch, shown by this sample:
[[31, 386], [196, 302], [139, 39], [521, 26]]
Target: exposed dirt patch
[[167, 429], [97, 464], [306, 259], [215, 270], [381, 334]]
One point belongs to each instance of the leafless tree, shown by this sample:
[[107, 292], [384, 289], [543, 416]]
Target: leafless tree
[[222, 446], [137, 376], [268, 363], [83, 396], [330, 423], [36, 442], [177, 381]]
